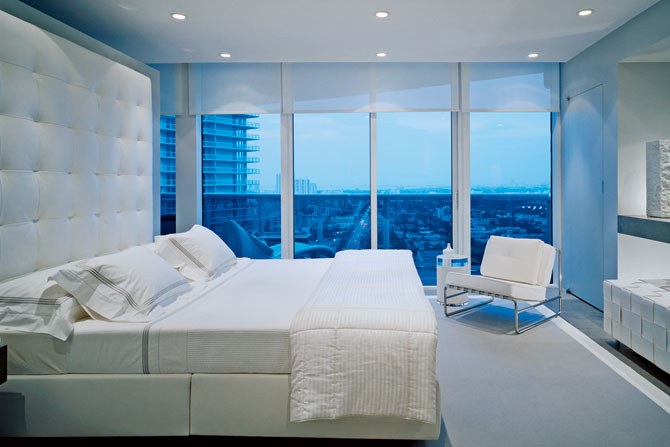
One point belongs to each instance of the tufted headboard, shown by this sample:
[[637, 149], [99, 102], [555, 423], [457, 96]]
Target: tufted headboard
[[75, 152]]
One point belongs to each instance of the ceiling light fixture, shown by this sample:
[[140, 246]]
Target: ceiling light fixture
[[178, 16], [585, 12], [381, 54], [382, 14], [533, 55], [225, 55]]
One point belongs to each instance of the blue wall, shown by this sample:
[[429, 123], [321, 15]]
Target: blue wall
[[597, 65]]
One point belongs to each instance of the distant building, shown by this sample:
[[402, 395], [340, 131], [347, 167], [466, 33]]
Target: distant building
[[225, 169], [226, 153], [300, 186], [168, 174], [226, 159]]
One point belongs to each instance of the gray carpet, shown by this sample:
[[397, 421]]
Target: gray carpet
[[541, 388]]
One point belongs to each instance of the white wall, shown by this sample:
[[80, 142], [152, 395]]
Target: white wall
[[598, 65], [643, 258], [644, 115]]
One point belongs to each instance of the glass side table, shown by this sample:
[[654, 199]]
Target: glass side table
[[451, 263]]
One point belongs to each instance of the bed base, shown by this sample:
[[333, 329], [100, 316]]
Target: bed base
[[182, 405], [97, 405]]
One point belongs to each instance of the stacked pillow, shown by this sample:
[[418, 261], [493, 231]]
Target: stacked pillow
[[35, 303], [124, 286], [197, 253]]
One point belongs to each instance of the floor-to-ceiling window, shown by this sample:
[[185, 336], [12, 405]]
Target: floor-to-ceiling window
[[414, 186], [332, 181], [510, 177], [168, 160], [336, 118], [241, 159]]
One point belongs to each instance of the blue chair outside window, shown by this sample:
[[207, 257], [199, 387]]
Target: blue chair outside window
[[246, 245]]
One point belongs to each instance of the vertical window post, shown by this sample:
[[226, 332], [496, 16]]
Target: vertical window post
[[373, 181], [188, 172], [287, 248]]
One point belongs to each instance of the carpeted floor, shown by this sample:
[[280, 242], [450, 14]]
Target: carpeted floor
[[541, 388], [589, 320]]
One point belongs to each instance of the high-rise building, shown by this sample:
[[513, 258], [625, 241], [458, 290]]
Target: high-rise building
[[226, 182], [225, 169], [168, 176], [225, 154], [300, 186]]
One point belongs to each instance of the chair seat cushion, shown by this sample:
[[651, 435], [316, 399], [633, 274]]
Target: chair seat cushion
[[494, 286]]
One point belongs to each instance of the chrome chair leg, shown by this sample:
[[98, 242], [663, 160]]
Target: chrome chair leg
[[517, 329], [461, 308]]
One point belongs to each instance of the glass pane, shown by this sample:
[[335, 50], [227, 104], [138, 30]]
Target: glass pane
[[241, 161], [510, 174], [332, 183], [414, 186], [167, 170]]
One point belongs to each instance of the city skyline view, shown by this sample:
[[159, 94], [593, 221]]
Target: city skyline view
[[510, 171], [495, 138]]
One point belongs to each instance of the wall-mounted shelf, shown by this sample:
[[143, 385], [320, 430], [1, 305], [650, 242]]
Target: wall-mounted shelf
[[645, 227]]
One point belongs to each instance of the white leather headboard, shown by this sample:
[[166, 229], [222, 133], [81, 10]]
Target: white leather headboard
[[75, 152]]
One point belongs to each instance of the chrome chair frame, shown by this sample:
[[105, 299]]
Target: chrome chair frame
[[519, 330]]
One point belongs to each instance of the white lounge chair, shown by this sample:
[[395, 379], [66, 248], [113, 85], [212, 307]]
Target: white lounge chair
[[514, 269]]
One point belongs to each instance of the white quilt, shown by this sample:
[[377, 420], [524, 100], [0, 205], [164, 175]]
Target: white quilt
[[365, 343]]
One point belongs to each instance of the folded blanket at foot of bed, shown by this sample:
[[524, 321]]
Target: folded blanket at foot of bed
[[365, 343]]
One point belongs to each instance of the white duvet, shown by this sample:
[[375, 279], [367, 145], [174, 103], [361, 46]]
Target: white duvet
[[365, 343]]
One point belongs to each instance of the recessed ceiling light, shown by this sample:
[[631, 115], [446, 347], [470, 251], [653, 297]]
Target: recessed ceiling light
[[178, 16], [225, 55], [585, 12], [381, 54], [533, 55], [382, 14]]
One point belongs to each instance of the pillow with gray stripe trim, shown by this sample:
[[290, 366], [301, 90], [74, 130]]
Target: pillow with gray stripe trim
[[35, 303], [132, 285], [198, 254]]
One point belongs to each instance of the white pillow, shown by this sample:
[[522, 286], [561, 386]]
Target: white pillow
[[197, 253], [35, 303], [124, 286]]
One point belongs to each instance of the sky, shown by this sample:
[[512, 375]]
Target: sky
[[508, 149]]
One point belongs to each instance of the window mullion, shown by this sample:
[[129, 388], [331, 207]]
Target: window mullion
[[287, 188], [373, 181], [461, 181]]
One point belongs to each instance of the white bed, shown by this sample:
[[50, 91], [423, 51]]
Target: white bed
[[232, 324], [222, 348], [76, 183]]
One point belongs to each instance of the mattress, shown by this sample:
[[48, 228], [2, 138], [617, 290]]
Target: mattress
[[236, 323]]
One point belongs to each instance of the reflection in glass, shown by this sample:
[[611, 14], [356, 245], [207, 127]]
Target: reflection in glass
[[414, 192], [168, 160], [240, 170], [332, 180], [510, 171]]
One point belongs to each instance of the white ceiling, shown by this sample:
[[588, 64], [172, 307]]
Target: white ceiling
[[345, 30]]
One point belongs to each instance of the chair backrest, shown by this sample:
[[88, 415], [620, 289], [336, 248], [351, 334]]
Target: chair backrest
[[242, 243], [529, 261]]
